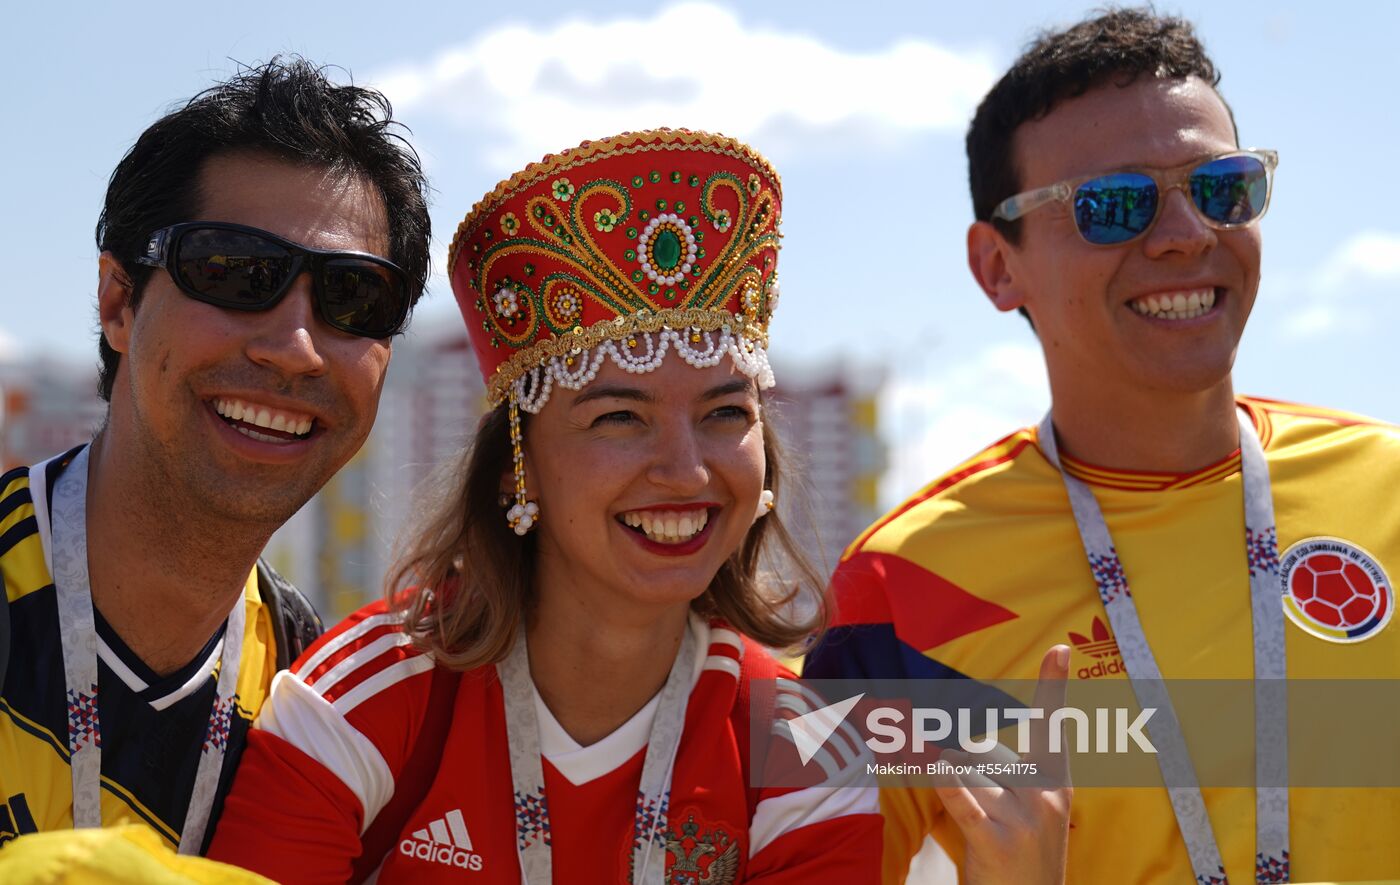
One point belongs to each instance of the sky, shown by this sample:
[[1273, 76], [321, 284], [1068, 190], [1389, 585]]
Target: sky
[[862, 107]]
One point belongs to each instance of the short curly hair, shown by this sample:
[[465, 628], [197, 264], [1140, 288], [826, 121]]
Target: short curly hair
[[1117, 46], [287, 108]]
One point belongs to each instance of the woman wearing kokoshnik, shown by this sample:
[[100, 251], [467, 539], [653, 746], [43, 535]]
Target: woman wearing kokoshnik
[[562, 691]]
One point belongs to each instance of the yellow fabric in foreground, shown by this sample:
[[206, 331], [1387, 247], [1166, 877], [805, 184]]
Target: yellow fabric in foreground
[[131, 853]]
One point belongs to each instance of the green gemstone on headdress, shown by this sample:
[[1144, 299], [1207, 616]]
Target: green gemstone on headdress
[[653, 288], [694, 181], [655, 176], [630, 254], [675, 178], [661, 205], [666, 249], [638, 276], [679, 207], [699, 236], [638, 181], [631, 233]]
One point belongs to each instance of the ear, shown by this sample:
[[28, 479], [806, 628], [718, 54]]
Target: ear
[[114, 311], [991, 260]]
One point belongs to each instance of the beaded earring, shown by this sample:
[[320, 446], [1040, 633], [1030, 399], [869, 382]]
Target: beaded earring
[[523, 514]]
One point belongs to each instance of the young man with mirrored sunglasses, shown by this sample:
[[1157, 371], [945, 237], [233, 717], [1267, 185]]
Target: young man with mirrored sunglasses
[[260, 247], [1168, 528]]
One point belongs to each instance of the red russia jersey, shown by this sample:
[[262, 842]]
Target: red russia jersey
[[368, 756]]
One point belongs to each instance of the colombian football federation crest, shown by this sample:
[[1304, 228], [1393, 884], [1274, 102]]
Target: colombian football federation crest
[[695, 856], [1335, 591]]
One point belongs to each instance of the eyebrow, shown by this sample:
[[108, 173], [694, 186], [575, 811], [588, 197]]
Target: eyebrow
[[615, 391]]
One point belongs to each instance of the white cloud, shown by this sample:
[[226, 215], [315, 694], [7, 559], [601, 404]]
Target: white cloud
[[1361, 264], [693, 64], [934, 417], [1368, 256], [10, 350]]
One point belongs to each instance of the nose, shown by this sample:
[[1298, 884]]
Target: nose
[[678, 462], [285, 338], [1180, 229]]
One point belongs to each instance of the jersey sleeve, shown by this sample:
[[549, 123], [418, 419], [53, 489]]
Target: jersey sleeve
[[818, 822], [325, 756], [861, 642]]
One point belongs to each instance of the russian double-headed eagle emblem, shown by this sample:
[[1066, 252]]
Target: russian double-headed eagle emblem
[[701, 858]]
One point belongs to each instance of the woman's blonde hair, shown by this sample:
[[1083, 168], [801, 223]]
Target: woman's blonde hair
[[464, 580]]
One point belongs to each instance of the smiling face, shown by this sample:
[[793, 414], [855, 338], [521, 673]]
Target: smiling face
[[1162, 313], [245, 415], [646, 483]]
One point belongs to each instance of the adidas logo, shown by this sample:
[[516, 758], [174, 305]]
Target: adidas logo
[[443, 841], [1101, 646], [1100, 642]]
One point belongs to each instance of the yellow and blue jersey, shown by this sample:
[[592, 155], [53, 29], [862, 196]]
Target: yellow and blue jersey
[[975, 576], [153, 725]]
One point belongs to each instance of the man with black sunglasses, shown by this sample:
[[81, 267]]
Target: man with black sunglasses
[[260, 247], [1168, 528]]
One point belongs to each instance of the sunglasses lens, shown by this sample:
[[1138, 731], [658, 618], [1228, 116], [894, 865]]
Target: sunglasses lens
[[231, 268], [1231, 190], [363, 297], [1115, 208]]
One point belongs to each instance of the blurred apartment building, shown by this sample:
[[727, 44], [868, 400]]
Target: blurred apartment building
[[341, 544]]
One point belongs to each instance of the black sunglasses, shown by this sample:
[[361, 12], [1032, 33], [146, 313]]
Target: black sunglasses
[[245, 268]]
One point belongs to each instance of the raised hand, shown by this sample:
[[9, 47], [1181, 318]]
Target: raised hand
[[1016, 831]]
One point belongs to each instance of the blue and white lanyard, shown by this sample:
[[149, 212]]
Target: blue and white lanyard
[[78, 634], [1270, 667], [527, 775]]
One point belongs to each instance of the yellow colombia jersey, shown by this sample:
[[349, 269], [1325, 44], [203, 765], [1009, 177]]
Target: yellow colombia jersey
[[152, 726], [983, 570]]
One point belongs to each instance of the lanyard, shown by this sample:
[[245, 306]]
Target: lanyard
[[1270, 698], [78, 635], [527, 775]]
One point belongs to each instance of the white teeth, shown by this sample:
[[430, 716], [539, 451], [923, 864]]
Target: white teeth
[[262, 416], [667, 527], [1175, 305], [262, 437]]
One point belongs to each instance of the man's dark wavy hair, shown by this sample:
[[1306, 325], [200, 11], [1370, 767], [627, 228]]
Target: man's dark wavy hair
[[1117, 46], [286, 108]]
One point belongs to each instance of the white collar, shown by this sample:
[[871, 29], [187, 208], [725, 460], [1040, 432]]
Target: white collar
[[580, 764]]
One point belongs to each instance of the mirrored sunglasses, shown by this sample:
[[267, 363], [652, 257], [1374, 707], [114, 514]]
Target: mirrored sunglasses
[[1231, 190]]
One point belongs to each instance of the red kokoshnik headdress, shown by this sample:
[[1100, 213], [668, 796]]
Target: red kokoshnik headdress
[[620, 249]]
